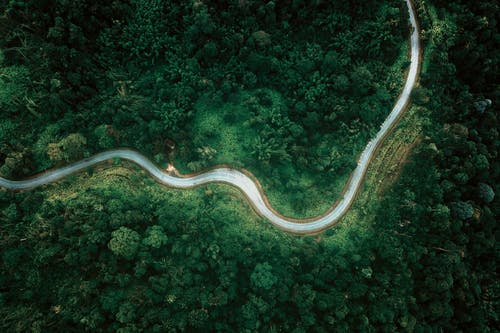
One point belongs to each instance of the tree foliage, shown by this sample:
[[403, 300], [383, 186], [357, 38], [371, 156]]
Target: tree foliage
[[125, 242], [115, 252]]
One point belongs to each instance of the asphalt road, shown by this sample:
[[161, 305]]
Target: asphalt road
[[242, 181]]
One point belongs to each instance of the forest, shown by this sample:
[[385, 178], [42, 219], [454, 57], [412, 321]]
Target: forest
[[251, 91], [289, 90]]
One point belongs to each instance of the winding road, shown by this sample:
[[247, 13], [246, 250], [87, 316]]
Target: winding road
[[240, 180]]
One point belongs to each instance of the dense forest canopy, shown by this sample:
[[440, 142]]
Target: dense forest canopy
[[306, 83], [290, 90]]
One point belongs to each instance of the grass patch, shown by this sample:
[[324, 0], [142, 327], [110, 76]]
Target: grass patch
[[385, 168], [225, 128]]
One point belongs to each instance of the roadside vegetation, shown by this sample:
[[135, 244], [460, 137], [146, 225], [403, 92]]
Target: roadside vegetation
[[291, 93], [109, 250]]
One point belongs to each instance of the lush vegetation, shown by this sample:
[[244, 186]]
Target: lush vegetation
[[109, 250], [292, 93]]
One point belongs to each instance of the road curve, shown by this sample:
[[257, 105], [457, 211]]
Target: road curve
[[244, 182]]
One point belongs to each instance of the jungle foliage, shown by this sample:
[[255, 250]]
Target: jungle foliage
[[111, 251], [314, 81]]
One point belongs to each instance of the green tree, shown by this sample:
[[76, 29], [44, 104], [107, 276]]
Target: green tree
[[362, 81], [69, 149], [462, 210], [103, 138], [262, 276], [14, 87], [155, 237], [486, 193], [124, 242]]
